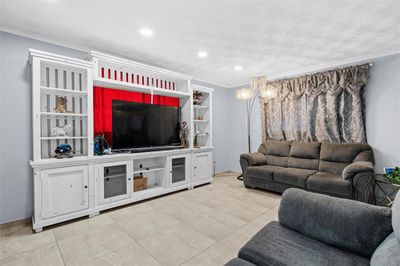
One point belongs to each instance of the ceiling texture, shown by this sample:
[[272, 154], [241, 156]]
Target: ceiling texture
[[273, 38]]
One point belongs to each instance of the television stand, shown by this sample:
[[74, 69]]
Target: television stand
[[149, 149]]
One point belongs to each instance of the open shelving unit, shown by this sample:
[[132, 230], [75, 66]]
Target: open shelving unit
[[202, 117], [62, 98]]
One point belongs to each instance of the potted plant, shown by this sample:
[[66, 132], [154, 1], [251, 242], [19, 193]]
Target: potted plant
[[394, 176]]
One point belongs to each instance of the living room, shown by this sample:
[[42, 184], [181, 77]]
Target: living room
[[199, 132]]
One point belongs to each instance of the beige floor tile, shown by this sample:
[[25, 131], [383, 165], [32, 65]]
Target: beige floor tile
[[240, 237], [146, 224], [176, 245], [217, 254], [215, 225], [15, 243], [130, 211], [21, 227], [92, 244], [132, 255], [43, 256]]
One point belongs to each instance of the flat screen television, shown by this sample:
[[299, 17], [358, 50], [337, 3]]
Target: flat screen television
[[140, 125]]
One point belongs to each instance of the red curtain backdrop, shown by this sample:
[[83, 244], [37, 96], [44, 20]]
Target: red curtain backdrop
[[102, 106]]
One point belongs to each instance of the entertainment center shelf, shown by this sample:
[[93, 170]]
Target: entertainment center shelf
[[63, 113]]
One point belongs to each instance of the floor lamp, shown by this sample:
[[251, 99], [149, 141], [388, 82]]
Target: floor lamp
[[257, 88]]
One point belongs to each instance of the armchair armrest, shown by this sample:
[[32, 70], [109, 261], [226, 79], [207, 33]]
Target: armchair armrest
[[255, 158], [350, 225], [357, 167]]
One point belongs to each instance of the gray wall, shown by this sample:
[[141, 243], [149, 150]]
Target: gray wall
[[16, 193], [383, 111], [382, 116]]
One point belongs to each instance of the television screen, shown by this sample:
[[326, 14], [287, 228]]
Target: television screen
[[139, 125]]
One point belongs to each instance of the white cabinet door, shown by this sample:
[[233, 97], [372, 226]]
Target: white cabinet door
[[202, 166], [64, 190], [115, 181], [178, 170]]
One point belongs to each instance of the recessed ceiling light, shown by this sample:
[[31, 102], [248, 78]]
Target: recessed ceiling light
[[238, 68], [146, 32], [202, 54]]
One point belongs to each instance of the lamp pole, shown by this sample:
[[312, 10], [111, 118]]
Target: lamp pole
[[250, 95]]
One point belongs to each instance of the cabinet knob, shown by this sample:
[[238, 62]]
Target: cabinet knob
[[129, 179], [85, 186]]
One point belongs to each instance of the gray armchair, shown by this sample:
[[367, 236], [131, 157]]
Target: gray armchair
[[315, 229]]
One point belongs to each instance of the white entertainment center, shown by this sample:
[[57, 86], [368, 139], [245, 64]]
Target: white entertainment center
[[69, 188]]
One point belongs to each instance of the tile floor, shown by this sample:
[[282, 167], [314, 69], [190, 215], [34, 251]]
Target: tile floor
[[203, 226]]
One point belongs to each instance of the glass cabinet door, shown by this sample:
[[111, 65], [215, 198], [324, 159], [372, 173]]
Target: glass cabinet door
[[115, 181], [178, 171]]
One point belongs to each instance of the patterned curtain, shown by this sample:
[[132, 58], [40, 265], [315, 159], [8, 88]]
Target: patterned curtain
[[327, 106]]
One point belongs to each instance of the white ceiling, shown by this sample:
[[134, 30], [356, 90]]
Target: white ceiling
[[265, 37]]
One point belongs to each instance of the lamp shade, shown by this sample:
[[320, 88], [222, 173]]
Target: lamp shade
[[244, 94], [268, 92]]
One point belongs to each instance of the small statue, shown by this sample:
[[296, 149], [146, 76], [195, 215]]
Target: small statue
[[64, 131], [184, 133], [63, 150], [196, 140], [61, 104], [198, 98], [101, 146]]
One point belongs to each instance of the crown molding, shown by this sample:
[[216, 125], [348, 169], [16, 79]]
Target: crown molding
[[47, 39]]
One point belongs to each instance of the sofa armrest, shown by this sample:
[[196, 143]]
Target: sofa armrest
[[357, 167], [350, 225], [255, 158]]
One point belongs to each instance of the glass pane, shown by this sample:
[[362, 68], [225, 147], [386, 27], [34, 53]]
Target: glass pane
[[114, 181], [178, 170]]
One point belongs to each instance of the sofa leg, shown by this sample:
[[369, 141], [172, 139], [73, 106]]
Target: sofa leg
[[249, 187]]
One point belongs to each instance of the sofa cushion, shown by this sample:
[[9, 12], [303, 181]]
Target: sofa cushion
[[239, 262], [277, 160], [332, 167], [277, 148], [303, 163], [263, 171], [279, 245], [307, 150], [293, 176], [341, 153], [388, 252], [329, 183]]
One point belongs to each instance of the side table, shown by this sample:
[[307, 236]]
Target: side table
[[386, 189]]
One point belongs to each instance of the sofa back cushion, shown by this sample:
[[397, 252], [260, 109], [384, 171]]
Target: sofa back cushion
[[304, 155], [346, 224], [336, 156], [276, 152]]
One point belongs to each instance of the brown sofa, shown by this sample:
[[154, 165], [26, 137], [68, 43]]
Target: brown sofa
[[342, 170]]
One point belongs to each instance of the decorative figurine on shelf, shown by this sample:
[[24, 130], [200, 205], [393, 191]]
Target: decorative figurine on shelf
[[183, 135], [64, 131], [63, 151], [198, 98], [196, 141], [61, 104], [100, 145]]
